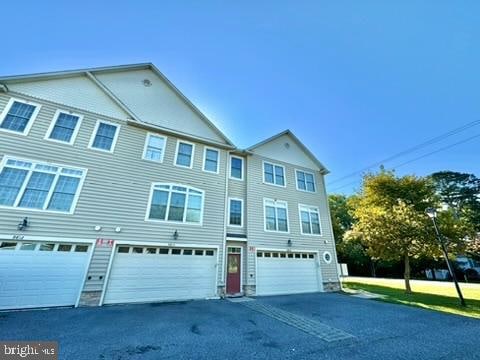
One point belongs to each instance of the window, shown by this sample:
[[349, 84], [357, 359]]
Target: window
[[104, 136], [64, 247], [81, 248], [5, 245], [305, 181], [273, 174], [154, 147], [176, 251], [163, 251], [210, 160], [176, 203], [47, 247], [199, 252], [209, 252], [151, 250], [276, 215], [123, 249], [327, 257], [18, 116], [64, 127], [235, 210], [236, 168], [187, 252], [137, 250], [184, 156], [310, 220], [41, 186], [28, 246]]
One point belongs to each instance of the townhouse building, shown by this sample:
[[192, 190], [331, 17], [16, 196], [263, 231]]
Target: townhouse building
[[115, 188]]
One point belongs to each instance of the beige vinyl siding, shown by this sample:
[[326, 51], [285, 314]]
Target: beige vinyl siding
[[98, 268], [116, 189], [78, 91], [259, 238], [148, 102]]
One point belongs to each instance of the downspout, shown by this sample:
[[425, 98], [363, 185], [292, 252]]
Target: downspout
[[225, 215]]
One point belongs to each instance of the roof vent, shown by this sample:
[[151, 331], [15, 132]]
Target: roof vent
[[147, 83], [287, 145]]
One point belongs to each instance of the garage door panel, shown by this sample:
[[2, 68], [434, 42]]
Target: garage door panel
[[160, 277], [285, 275], [33, 278]]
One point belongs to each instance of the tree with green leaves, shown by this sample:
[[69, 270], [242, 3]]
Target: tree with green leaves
[[461, 193], [390, 219], [340, 213]]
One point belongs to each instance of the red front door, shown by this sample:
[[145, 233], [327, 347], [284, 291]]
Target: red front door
[[233, 274]]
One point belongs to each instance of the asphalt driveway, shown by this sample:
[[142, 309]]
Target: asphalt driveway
[[219, 329]]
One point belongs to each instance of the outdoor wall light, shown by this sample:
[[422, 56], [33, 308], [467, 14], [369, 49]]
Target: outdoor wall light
[[175, 235], [22, 225], [289, 242], [118, 229], [98, 228]]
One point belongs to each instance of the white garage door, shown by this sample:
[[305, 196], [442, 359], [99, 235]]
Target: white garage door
[[149, 274], [41, 274], [286, 273]]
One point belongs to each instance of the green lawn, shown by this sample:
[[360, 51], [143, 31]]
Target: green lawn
[[429, 295]]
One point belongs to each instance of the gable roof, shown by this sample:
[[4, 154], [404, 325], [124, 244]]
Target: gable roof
[[307, 152], [91, 74]]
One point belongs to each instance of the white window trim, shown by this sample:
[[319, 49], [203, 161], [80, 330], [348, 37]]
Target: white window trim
[[205, 159], [94, 133], [147, 138], [274, 164], [5, 111], [166, 221], [230, 168], [54, 122], [314, 181], [241, 214], [47, 200], [191, 158], [280, 202], [308, 208]]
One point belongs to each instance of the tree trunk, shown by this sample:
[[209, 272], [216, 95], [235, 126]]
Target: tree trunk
[[372, 266], [406, 275]]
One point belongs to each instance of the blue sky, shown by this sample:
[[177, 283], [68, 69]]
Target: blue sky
[[356, 81]]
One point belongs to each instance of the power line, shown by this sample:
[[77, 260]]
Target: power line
[[412, 149], [417, 158], [438, 150]]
